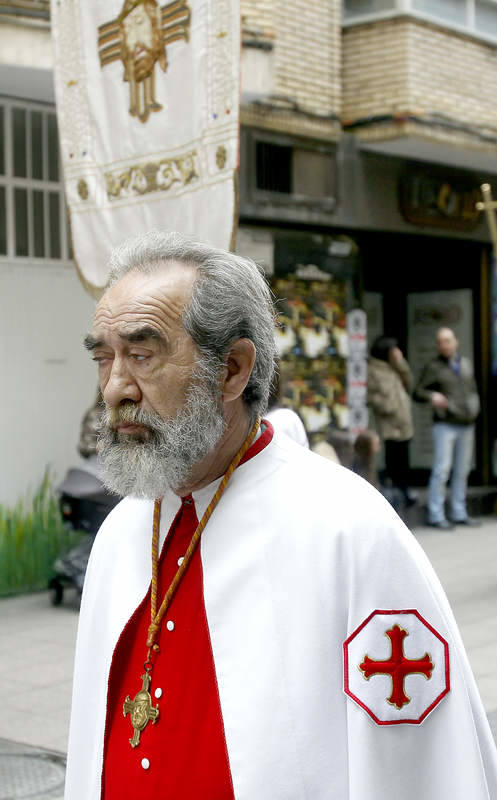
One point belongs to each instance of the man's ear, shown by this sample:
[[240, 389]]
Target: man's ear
[[239, 365]]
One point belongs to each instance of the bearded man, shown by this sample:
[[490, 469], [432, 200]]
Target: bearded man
[[256, 623]]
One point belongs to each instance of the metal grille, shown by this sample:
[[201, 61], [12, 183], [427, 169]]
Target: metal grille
[[33, 222], [35, 9]]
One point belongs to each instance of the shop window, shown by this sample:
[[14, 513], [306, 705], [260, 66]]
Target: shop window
[[475, 16], [293, 170], [486, 17], [448, 10], [32, 208], [291, 177], [273, 167], [355, 8]]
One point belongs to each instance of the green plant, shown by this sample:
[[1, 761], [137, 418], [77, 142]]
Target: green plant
[[32, 534]]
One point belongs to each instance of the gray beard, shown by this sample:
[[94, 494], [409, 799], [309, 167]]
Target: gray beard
[[148, 467]]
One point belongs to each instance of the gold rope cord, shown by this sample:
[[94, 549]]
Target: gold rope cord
[[156, 618]]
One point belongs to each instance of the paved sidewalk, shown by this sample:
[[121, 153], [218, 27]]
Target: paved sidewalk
[[465, 560], [28, 773], [36, 663], [37, 651]]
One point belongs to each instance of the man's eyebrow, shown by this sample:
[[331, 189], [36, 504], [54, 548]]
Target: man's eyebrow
[[142, 334], [90, 342], [137, 335]]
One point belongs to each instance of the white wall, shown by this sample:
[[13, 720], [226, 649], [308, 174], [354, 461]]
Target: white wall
[[47, 380], [26, 46]]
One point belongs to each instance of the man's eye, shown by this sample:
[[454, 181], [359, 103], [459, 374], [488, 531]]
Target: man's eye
[[100, 359], [138, 356]]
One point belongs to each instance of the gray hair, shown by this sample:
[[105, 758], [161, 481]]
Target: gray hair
[[230, 300]]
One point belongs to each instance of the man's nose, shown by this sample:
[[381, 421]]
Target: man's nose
[[120, 386]]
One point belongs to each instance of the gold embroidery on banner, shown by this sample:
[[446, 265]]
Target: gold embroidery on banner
[[138, 37], [83, 190], [159, 176], [221, 156]]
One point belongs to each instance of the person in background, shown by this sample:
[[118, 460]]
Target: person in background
[[366, 449], [284, 419], [367, 445], [342, 443], [88, 435], [325, 449], [389, 387], [447, 382]]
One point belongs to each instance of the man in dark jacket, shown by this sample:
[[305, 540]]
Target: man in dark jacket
[[447, 382]]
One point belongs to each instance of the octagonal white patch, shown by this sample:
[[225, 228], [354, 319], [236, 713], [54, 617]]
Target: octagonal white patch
[[396, 667]]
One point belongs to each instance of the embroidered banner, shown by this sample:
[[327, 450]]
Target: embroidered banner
[[147, 105]]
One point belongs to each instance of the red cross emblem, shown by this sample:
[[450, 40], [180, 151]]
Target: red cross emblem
[[397, 666], [407, 686]]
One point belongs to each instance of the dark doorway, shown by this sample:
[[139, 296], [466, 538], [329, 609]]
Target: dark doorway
[[403, 270]]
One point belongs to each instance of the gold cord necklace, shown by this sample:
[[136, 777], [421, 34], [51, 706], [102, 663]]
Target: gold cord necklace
[[141, 709]]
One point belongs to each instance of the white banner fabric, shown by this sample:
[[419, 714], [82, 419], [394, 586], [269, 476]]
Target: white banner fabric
[[147, 104]]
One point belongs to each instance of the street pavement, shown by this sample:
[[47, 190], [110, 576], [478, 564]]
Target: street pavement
[[37, 647], [36, 662], [465, 560]]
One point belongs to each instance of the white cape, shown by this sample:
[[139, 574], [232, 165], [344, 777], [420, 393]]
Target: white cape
[[298, 553]]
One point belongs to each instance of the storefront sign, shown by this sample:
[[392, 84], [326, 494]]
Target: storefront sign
[[432, 200]]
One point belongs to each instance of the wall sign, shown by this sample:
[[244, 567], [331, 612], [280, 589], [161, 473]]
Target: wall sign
[[431, 200]]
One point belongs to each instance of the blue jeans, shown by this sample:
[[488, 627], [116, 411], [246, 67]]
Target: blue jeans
[[453, 448]]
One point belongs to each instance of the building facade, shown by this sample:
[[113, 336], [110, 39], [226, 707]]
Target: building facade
[[406, 133]]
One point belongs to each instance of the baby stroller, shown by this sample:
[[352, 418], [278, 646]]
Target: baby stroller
[[84, 502]]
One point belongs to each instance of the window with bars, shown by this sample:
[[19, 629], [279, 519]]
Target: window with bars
[[32, 208], [475, 16], [35, 9]]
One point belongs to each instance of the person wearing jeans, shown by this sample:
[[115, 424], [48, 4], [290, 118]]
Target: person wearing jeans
[[453, 446], [447, 383]]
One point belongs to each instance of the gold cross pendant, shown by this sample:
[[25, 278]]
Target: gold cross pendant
[[140, 710]]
